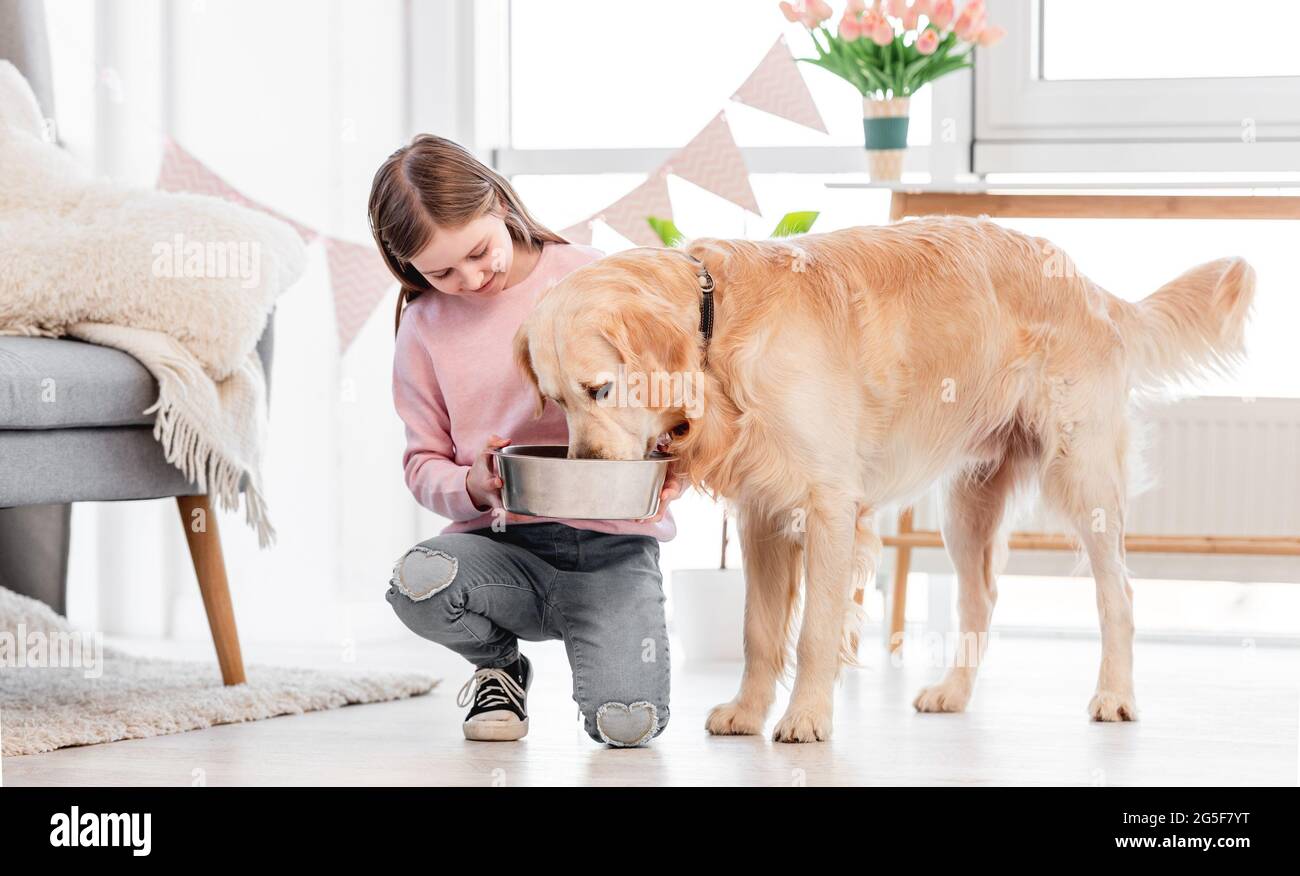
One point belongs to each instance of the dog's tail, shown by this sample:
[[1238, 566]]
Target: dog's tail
[[1192, 325]]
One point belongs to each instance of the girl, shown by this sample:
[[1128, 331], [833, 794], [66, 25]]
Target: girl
[[471, 261]]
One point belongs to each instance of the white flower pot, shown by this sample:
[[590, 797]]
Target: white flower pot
[[709, 614]]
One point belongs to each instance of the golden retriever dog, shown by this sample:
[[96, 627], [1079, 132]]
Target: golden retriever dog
[[851, 370]]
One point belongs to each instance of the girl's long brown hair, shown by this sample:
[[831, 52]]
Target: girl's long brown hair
[[435, 183]]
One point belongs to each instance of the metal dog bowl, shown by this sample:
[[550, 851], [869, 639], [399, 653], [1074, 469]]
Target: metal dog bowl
[[540, 481]]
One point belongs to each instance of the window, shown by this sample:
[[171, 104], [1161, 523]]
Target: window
[[667, 82], [1157, 86], [1161, 39], [663, 87]]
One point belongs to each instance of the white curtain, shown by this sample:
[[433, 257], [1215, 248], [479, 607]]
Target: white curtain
[[294, 103]]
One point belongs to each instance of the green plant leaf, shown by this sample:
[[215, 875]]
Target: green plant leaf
[[812, 34], [911, 70], [943, 68], [899, 64], [847, 66], [875, 78], [795, 223], [667, 231], [945, 46]]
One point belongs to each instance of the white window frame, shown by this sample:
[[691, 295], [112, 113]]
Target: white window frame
[[457, 71], [1026, 123]]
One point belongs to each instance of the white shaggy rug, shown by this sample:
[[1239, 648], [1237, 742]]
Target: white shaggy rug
[[59, 688]]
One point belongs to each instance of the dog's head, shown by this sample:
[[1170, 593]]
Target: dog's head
[[616, 345]]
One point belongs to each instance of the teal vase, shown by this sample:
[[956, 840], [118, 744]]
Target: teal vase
[[884, 129]]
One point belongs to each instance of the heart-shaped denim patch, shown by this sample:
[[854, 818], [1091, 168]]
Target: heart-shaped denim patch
[[627, 726]]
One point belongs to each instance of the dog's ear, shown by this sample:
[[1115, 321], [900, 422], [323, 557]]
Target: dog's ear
[[717, 255], [524, 359], [646, 342]]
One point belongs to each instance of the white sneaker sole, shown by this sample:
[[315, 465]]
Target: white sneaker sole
[[495, 731]]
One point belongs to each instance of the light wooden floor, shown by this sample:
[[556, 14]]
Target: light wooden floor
[[1210, 715]]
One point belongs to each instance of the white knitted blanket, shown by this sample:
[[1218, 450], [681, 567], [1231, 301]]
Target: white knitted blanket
[[184, 283]]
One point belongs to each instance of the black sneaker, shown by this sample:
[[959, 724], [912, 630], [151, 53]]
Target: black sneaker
[[500, 698]]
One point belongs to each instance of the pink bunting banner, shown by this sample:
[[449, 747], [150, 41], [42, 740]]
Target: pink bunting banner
[[360, 280], [713, 161], [182, 172], [629, 213], [580, 233], [777, 86]]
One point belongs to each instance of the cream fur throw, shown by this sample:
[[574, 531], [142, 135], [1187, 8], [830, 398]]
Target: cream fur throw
[[184, 283]]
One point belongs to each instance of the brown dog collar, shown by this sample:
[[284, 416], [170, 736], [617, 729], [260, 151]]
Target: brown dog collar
[[706, 303]]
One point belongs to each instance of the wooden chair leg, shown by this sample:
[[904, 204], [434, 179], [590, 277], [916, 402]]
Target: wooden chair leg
[[898, 608], [200, 524]]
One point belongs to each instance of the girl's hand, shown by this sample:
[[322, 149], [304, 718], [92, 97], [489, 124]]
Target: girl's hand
[[674, 486], [482, 483]]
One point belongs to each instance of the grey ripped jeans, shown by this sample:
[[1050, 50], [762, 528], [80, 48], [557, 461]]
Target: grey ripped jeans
[[479, 592]]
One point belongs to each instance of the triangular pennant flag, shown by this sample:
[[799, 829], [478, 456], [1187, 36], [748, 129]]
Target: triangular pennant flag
[[629, 213], [182, 172], [579, 233], [777, 86], [712, 161], [360, 279]]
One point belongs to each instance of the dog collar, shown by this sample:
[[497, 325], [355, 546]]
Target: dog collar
[[705, 280]]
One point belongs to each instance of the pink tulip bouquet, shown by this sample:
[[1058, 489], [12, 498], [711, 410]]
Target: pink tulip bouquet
[[889, 50]]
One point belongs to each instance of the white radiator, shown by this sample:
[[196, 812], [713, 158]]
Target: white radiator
[[1219, 466]]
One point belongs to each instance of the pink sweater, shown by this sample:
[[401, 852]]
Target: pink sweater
[[455, 383]]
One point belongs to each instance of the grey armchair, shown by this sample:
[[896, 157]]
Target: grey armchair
[[71, 430]]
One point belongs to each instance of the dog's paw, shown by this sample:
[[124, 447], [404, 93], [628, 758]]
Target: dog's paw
[[1107, 705], [733, 719], [942, 697], [803, 725]]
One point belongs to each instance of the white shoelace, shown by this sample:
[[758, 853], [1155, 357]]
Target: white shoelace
[[510, 691]]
